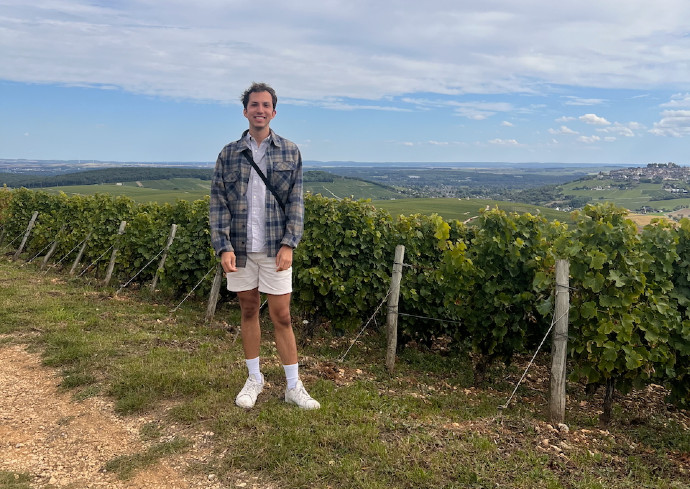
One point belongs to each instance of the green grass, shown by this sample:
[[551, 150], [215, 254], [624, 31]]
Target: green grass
[[463, 209], [162, 191], [342, 188], [127, 465], [12, 480], [168, 191], [425, 426], [636, 197], [191, 189]]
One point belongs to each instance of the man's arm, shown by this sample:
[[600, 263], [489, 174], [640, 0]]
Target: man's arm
[[294, 209], [219, 211]]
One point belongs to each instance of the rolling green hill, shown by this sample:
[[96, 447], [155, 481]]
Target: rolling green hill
[[463, 209], [103, 176], [168, 191], [330, 185], [168, 185], [171, 189], [162, 191], [633, 196]]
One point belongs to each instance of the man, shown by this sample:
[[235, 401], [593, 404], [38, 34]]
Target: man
[[254, 236]]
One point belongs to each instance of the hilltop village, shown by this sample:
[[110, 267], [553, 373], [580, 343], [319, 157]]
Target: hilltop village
[[673, 181], [653, 173]]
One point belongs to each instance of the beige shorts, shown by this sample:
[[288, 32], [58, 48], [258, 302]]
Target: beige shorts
[[260, 272]]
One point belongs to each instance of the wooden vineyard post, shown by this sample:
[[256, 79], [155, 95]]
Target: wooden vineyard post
[[393, 298], [77, 260], [52, 248], [559, 343], [111, 265], [26, 235], [171, 237], [215, 292]]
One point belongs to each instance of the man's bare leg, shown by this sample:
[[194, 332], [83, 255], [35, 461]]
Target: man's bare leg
[[251, 342], [279, 310], [250, 302]]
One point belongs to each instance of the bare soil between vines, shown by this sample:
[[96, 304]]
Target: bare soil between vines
[[63, 443]]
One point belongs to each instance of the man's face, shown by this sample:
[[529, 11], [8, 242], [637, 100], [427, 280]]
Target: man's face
[[259, 111]]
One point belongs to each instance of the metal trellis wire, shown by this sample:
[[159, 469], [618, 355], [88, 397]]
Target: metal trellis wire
[[505, 406], [68, 254], [37, 254], [12, 242], [378, 308], [192, 291], [137, 274], [95, 261]]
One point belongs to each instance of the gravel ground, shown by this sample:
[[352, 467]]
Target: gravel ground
[[64, 443]]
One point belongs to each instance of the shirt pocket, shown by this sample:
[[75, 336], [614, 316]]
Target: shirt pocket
[[232, 182], [281, 176]]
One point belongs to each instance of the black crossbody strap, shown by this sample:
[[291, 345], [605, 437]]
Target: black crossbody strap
[[247, 154]]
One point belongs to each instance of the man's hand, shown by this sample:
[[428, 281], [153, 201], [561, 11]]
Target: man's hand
[[228, 261], [284, 258]]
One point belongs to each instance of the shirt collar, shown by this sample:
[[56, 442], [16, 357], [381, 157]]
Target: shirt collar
[[247, 137]]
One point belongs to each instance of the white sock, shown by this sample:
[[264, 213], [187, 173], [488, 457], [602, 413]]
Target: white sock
[[253, 367], [291, 375]]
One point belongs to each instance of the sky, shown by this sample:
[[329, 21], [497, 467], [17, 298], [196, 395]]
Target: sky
[[603, 81]]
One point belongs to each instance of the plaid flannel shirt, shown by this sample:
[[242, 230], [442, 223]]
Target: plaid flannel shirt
[[228, 210]]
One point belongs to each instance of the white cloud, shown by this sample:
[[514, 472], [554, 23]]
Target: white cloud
[[565, 119], [341, 105], [481, 110], [504, 142], [674, 123], [475, 110], [589, 139], [562, 130], [679, 100], [307, 49], [583, 101], [594, 119], [506, 124], [627, 130]]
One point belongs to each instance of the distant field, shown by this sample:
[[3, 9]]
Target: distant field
[[634, 198], [191, 189], [170, 190], [348, 188], [162, 191], [669, 204], [463, 209]]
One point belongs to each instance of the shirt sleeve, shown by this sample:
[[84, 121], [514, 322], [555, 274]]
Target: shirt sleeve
[[294, 208], [219, 210]]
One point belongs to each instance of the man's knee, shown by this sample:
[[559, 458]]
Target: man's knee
[[249, 313], [282, 320], [249, 305], [280, 315]]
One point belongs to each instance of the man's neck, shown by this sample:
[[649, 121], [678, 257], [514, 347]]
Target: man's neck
[[259, 135]]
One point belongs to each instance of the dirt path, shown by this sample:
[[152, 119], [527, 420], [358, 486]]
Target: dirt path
[[65, 444]]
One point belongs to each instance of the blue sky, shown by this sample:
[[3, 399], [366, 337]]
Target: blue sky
[[410, 81]]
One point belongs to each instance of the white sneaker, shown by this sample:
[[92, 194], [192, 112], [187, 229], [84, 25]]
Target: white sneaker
[[300, 397], [251, 390]]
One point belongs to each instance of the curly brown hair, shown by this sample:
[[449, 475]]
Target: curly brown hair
[[259, 87]]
